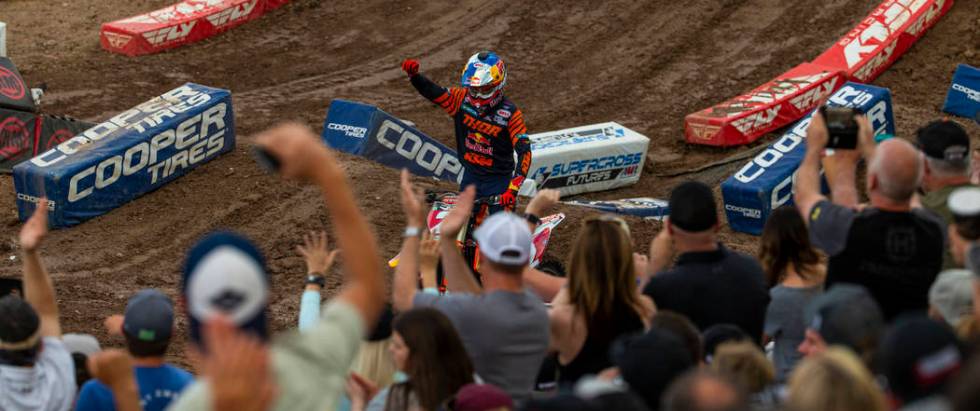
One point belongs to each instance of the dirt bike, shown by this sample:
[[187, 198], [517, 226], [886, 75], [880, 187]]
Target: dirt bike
[[443, 202]]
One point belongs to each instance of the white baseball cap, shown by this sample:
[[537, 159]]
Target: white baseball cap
[[504, 238]]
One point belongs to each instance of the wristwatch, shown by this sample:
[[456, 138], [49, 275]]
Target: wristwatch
[[316, 278], [531, 218], [412, 232]]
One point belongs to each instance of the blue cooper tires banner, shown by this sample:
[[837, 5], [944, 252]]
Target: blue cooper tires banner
[[133, 153], [963, 97], [367, 131], [766, 182]]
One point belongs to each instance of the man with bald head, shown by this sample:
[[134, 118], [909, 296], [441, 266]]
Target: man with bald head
[[888, 246]]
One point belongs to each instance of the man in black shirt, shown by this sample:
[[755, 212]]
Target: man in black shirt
[[710, 284], [889, 247]]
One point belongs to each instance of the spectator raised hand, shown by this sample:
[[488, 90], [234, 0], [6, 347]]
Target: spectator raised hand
[[454, 221], [301, 154], [310, 368], [319, 258], [38, 289], [114, 368], [406, 275], [661, 251], [459, 277], [543, 201], [36, 228], [428, 259], [413, 203], [317, 253], [239, 372], [114, 324], [304, 157]]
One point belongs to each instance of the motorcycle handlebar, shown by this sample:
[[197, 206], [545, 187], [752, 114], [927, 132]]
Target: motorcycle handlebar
[[433, 196]]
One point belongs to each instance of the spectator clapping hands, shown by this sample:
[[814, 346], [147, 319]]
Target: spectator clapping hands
[[412, 202], [458, 216]]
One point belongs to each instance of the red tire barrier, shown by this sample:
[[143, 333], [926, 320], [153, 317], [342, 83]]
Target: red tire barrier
[[770, 106], [179, 24], [882, 37], [861, 55]]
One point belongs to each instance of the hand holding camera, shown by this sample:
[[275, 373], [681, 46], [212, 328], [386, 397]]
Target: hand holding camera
[[841, 128]]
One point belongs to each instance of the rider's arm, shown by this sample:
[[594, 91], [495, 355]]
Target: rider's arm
[[448, 99], [522, 146]]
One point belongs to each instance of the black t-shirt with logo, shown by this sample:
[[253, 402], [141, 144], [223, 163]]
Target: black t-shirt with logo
[[895, 255], [714, 287]]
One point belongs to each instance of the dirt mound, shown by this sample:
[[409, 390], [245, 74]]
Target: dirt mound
[[643, 64]]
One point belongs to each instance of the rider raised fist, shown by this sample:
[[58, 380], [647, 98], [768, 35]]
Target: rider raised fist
[[410, 67]]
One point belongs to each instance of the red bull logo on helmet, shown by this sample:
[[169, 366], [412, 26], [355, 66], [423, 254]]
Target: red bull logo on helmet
[[484, 69]]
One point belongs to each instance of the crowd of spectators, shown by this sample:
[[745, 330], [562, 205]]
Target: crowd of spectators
[[856, 300]]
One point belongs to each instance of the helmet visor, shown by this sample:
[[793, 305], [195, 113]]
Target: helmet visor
[[482, 91]]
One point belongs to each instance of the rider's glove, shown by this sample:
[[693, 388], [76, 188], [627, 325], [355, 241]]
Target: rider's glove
[[509, 197], [410, 67]]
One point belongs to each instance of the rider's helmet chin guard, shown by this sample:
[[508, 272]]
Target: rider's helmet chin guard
[[484, 77]]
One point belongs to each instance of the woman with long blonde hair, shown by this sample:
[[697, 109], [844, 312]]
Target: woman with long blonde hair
[[601, 301], [835, 380]]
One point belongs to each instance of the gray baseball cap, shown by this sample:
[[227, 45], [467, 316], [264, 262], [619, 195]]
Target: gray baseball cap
[[952, 295], [845, 315], [149, 316]]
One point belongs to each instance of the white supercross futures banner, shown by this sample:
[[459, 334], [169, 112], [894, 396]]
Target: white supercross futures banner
[[585, 159]]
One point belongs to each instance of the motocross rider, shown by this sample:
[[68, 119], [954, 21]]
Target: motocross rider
[[489, 128]]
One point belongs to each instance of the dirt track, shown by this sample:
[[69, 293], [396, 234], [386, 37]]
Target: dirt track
[[643, 64]]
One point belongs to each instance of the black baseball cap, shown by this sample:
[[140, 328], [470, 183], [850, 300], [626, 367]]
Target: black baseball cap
[[719, 334], [944, 140], [149, 316], [19, 324], [692, 207], [918, 357], [649, 362]]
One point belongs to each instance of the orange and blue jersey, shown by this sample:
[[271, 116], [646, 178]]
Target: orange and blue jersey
[[486, 140]]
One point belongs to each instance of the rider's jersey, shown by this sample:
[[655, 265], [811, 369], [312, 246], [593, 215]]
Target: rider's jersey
[[485, 143]]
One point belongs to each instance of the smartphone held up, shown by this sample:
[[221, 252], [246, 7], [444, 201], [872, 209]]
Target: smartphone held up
[[842, 126]]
